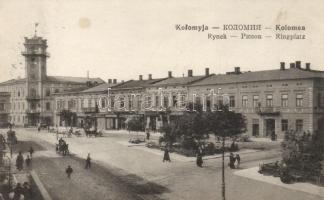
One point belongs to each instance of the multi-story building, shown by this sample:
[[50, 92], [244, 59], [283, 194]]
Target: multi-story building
[[4, 108], [273, 101], [31, 97], [83, 104]]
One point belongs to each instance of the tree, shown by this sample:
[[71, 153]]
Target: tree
[[66, 116], [135, 123], [192, 128], [225, 123]]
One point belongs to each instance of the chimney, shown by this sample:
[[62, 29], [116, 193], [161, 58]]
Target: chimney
[[308, 66], [207, 71], [140, 77], [150, 77], [169, 74], [114, 81], [292, 65], [282, 65], [190, 73], [237, 70], [109, 81], [298, 64]]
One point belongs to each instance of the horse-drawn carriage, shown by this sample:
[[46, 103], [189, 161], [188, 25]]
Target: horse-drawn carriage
[[93, 132], [62, 147]]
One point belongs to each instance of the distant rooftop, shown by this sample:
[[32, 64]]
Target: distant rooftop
[[265, 75]]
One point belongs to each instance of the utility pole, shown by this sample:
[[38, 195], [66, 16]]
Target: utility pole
[[223, 169]]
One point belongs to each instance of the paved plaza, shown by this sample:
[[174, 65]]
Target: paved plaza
[[123, 171]]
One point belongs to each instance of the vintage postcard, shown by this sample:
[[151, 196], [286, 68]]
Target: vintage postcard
[[161, 100]]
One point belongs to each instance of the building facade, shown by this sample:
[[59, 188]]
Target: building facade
[[31, 97], [273, 101]]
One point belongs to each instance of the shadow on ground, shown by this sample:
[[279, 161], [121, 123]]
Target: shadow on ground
[[24, 146]]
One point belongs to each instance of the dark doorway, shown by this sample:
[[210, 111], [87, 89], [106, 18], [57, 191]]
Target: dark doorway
[[270, 127], [255, 130]]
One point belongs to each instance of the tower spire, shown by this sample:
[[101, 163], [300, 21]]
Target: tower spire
[[36, 24]]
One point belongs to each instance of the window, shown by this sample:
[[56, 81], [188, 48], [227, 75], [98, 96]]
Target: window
[[122, 102], [284, 100], [299, 100], [148, 101], [2, 107], [197, 100], [255, 127], [57, 90], [166, 101], [299, 125], [208, 103], [48, 106], [269, 100], [103, 102], [32, 92], [284, 125], [48, 92], [255, 101], [174, 100], [18, 93], [157, 101], [244, 101], [232, 101]]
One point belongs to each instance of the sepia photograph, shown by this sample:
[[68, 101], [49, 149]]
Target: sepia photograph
[[161, 100]]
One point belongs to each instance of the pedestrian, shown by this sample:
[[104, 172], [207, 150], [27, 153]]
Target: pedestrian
[[147, 134], [166, 156], [88, 162], [18, 192], [238, 160], [232, 161], [69, 171], [31, 151], [28, 161], [20, 161], [199, 160], [39, 127], [27, 192]]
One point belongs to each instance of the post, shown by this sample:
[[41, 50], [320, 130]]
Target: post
[[223, 169]]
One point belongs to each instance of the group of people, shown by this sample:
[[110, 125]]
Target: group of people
[[69, 169], [234, 159], [20, 159], [21, 192], [62, 147]]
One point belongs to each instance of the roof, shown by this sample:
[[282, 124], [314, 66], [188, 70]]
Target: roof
[[73, 79], [266, 75], [100, 88], [179, 80], [64, 79], [13, 81], [136, 83]]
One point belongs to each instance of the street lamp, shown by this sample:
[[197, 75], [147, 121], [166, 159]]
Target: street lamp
[[9, 172], [220, 109]]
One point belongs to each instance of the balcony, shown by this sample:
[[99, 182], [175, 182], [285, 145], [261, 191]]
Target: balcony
[[90, 110], [41, 53], [32, 111], [267, 111], [33, 97]]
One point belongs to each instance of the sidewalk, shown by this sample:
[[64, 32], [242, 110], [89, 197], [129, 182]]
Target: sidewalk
[[252, 173]]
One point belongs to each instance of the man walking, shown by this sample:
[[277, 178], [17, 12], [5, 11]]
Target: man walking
[[20, 161], [88, 162], [238, 160], [69, 171], [31, 151]]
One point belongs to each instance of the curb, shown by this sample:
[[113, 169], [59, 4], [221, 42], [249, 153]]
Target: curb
[[45, 195]]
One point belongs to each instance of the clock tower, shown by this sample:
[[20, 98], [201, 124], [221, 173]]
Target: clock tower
[[35, 67]]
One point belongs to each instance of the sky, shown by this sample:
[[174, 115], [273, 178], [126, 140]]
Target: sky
[[125, 38]]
